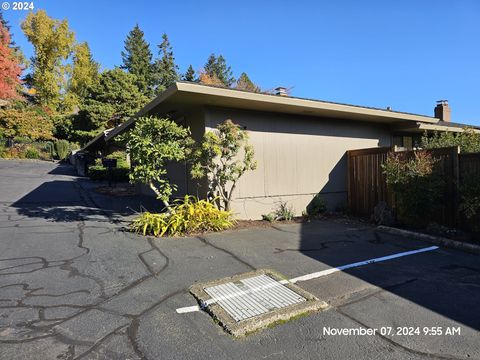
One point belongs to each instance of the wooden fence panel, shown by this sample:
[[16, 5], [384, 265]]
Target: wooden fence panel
[[469, 165], [367, 184]]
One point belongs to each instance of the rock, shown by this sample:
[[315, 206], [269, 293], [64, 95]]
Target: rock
[[383, 215]]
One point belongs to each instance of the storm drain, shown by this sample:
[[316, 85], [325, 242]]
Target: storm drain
[[246, 302], [253, 296]]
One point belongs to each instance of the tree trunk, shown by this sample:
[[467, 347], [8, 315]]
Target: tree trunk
[[159, 196], [228, 200]]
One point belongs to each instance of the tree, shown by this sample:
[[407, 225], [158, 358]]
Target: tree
[[219, 159], [209, 79], [10, 69], [16, 49], [151, 144], [137, 60], [32, 122], [244, 83], [468, 140], [217, 67], [166, 71], [189, 75], [111, 100], [53, 43], [84, 75]]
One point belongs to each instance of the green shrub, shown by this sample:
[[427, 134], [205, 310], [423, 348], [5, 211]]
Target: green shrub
[[270, 217], [98, 172], [317, 206], [22, 140], [32, 153], [470, 202], [470, 197], [417, 186], [284, 212], [121, 158], [49, 148], [468, 140], [186, 215], [62, 148]]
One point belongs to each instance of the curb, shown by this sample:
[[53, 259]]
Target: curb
[[437, 240]]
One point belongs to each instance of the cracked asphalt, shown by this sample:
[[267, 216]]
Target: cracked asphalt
[[75, 285]]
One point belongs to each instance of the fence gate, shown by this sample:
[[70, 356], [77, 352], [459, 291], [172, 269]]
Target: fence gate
[[366, 183]]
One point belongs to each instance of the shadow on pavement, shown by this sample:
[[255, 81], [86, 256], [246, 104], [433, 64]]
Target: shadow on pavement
[[447, 283], [73, 198]]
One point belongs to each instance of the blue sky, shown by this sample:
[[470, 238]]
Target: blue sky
[[404, 54]]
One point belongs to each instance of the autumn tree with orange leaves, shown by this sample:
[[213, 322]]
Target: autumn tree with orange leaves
[[10, 69]]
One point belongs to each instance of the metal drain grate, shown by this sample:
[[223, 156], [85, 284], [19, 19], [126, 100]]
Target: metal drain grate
[[252, 296]]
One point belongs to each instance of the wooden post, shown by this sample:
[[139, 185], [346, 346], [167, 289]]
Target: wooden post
[[456, 184]]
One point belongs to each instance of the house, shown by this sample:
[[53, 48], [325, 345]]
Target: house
[[300, 144]]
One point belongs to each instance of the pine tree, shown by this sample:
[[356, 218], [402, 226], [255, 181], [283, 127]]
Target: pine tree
[[244, 83], [166, 71], [216, 67], [111, 100], [137, 59], [189, 75], [10, 69]]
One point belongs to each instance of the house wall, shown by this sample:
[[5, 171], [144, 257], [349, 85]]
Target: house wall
[[297, 157]]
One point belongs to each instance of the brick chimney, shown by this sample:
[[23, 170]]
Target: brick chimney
[[442, 110]]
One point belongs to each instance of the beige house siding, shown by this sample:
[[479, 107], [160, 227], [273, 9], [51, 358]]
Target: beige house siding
[[297, 157]]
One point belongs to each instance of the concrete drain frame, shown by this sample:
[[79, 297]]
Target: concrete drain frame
[[284, 301]]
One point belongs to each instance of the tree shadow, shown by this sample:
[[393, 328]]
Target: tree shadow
[[75, 199]]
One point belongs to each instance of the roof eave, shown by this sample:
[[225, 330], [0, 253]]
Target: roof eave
[[152, 104], [301, 104]]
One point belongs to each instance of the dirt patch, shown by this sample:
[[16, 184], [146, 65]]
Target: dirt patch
[[247, 224]]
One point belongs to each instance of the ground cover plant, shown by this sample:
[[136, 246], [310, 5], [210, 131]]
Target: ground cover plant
[[187, 215]]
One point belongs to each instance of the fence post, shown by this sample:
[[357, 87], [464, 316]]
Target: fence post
[[349, 183], [456, 184]]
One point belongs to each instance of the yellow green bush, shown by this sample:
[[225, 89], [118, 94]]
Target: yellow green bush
[[186, 215]]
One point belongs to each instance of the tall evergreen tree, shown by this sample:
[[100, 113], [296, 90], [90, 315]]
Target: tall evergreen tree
[[111, 100], [166, 71], [189, 75], [244, 83], [216, 67], [137, 59]]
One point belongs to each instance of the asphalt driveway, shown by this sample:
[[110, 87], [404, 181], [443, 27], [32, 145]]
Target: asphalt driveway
[[73, 284]]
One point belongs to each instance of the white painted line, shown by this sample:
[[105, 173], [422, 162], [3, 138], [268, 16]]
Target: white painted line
[[360, 263], [318, 274], [188, 309]]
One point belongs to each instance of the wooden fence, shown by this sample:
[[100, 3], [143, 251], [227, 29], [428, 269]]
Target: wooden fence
[[469, 165], [367, 184]]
